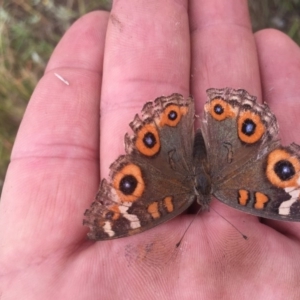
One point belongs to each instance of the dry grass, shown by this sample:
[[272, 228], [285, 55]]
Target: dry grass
[[29, 30]]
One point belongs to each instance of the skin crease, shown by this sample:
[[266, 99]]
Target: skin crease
[[152, 48]]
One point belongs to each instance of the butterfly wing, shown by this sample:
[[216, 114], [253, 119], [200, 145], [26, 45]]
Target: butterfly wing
[[151, 183], [250, 170]]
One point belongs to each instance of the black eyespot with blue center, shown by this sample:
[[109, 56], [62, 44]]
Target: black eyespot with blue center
[[172, 115], [284, 169], [128, 184], [218, 109], [149, 140], [248, 127]]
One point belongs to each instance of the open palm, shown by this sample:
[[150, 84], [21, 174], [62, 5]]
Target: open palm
[[152, 48]]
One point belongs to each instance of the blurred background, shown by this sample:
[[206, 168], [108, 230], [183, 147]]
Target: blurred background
[[29, 30]]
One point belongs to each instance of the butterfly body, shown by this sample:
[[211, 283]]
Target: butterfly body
[[235, 156]]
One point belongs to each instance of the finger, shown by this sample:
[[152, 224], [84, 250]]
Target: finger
[[223, 55], [279, 57], [54, 166], [147, 56], [223, 47]]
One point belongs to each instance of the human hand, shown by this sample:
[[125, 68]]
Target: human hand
[[152, 48]]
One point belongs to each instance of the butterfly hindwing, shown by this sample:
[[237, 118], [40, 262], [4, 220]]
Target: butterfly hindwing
[[250, 170], [151, 183]]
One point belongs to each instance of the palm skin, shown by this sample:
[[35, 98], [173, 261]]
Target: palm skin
[[152, 48]]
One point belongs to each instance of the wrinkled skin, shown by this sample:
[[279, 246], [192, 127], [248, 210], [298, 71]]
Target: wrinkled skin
[[152, 48]]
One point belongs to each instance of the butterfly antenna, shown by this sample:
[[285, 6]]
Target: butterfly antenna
[[243, 235], [178, 244]]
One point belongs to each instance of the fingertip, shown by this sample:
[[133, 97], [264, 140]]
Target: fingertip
[[223, 48], [279, 60], [82, 44], [276, 52]]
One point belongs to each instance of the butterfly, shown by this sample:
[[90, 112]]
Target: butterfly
[[235, 156]]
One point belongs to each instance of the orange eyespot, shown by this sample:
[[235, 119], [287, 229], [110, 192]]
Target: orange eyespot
[[250, 127], [113, 213], [220, 109], [172, 115], [129, 183], [147, 140], [283, 168]]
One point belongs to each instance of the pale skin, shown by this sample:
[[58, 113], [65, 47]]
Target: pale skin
[[55, 166]]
